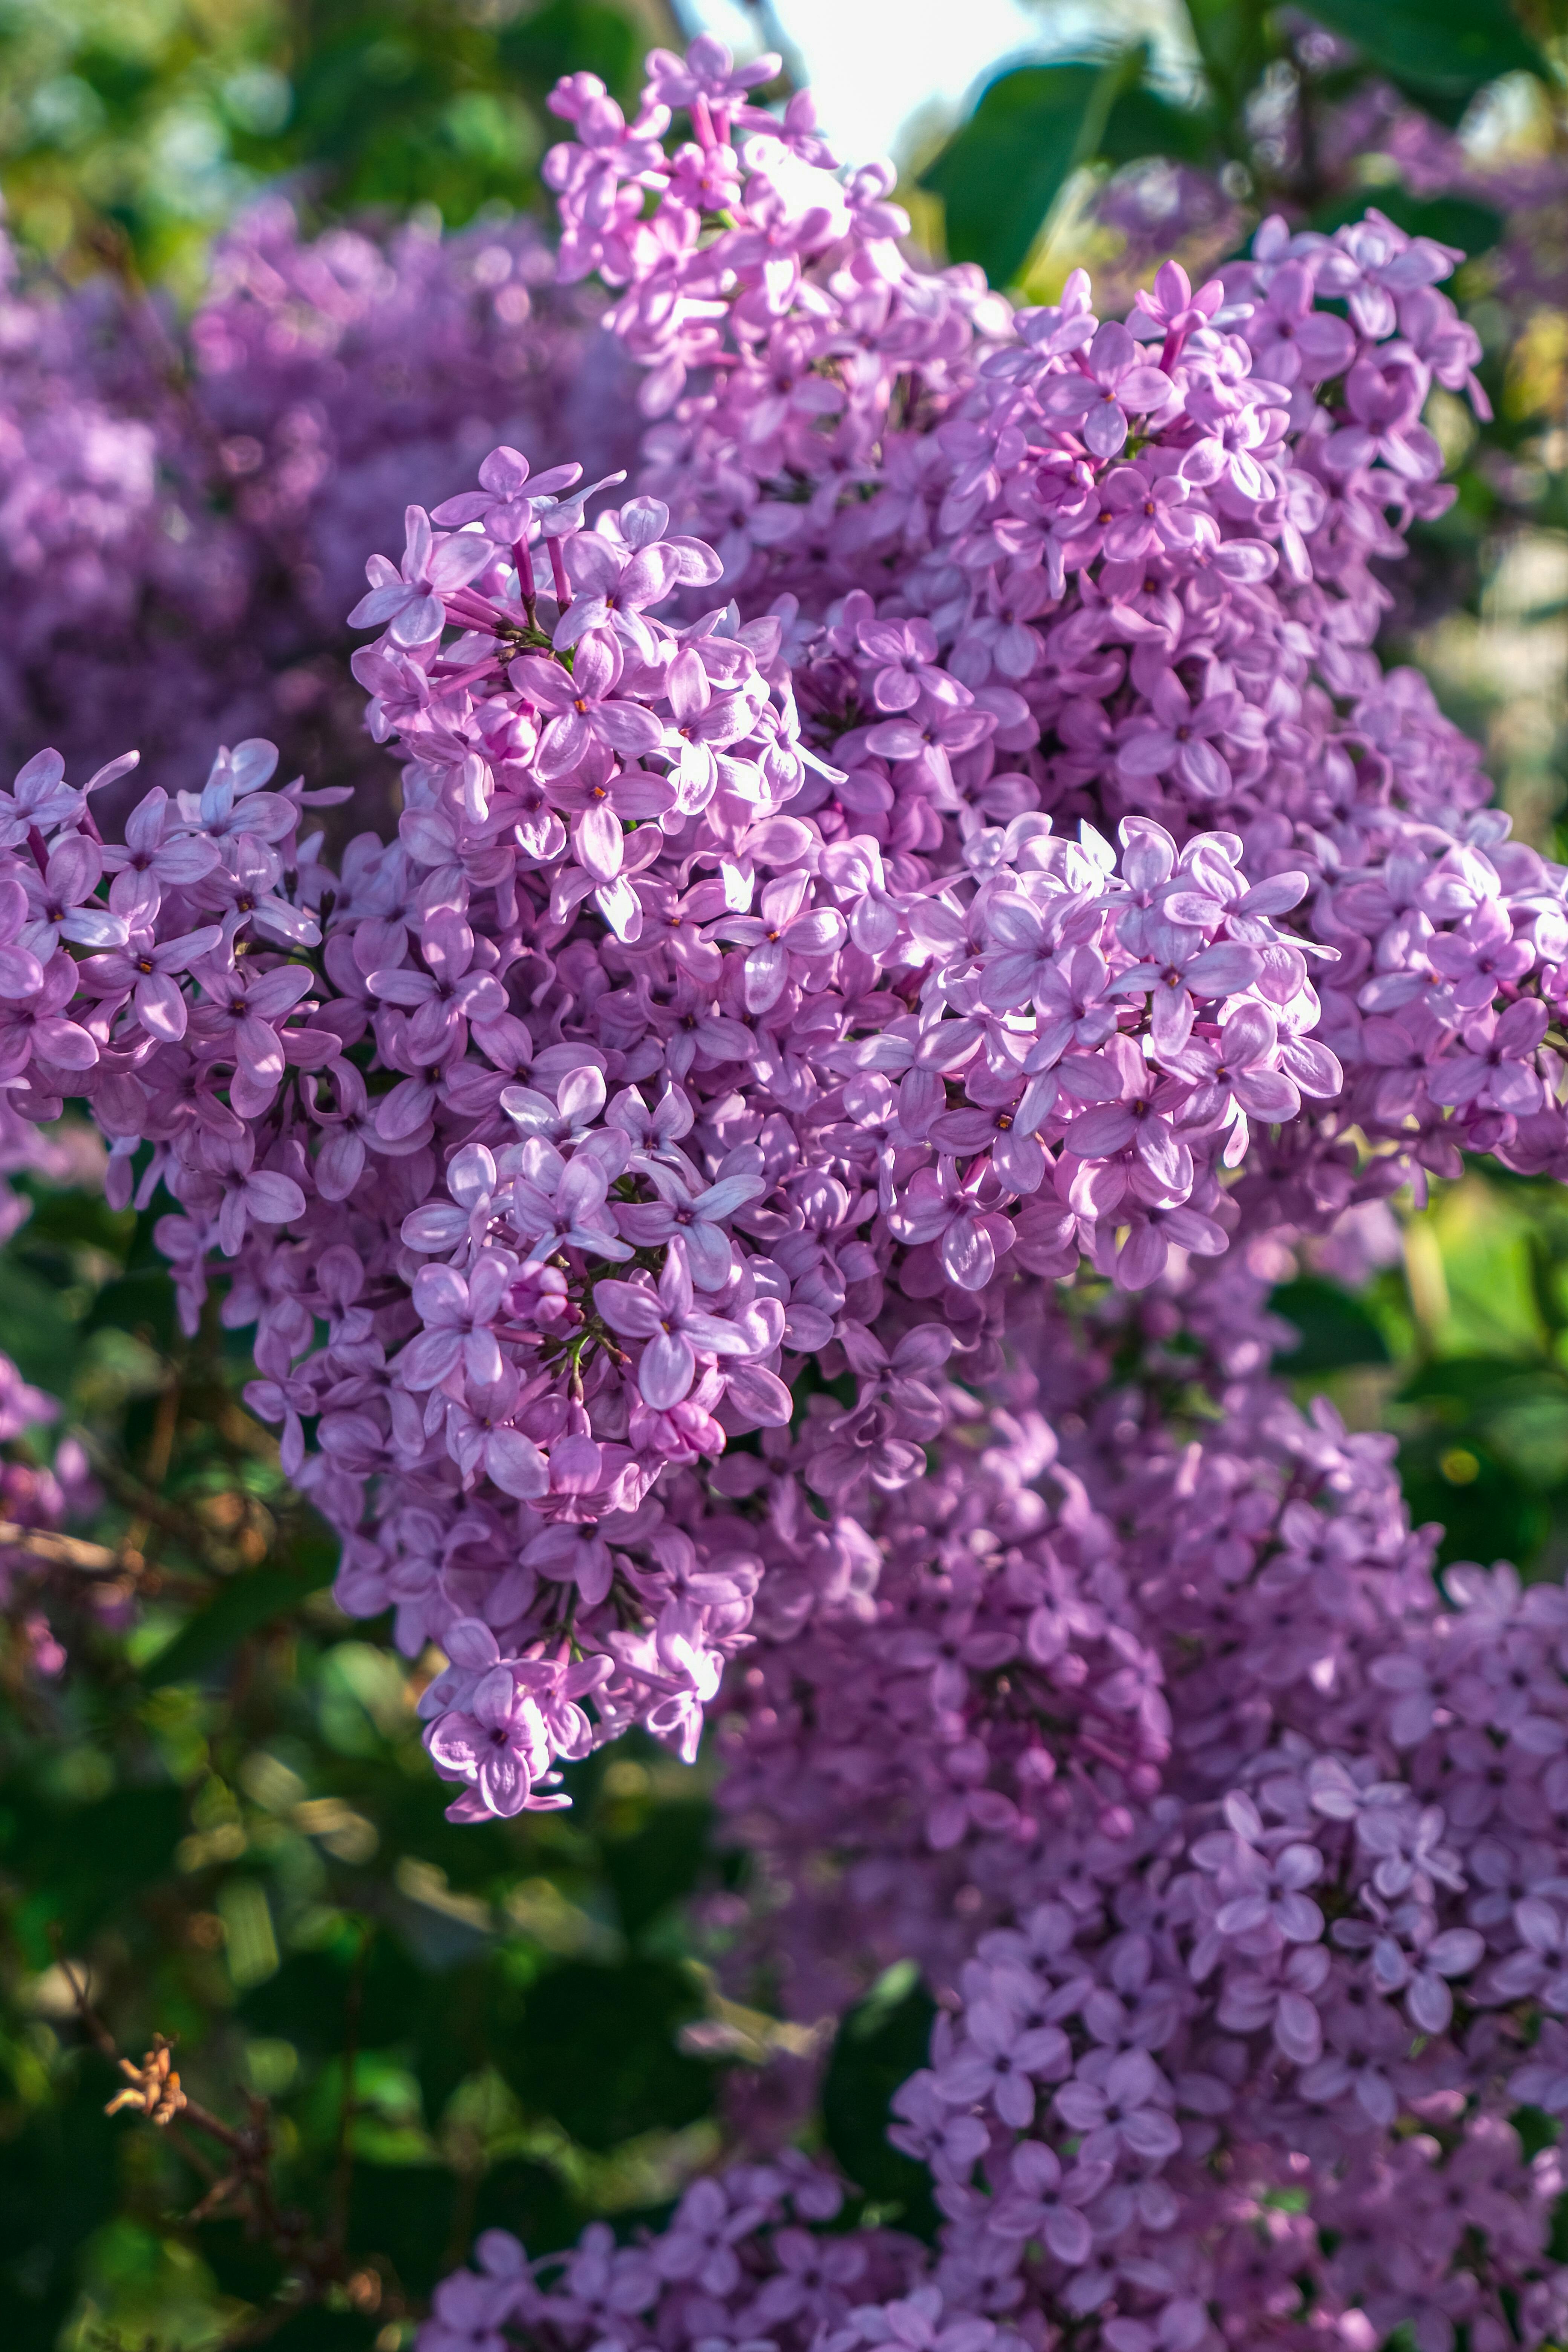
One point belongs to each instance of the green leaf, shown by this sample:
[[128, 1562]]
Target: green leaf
[[884, 2040], [317, 2330], [1538, 2130], [142, 1302], [57, 2184], [1230, 40], [1485, 1510], [597, 2052], [575, 36], [1451, 47], [1543, 1271], [241, 1606], [1140, 122], [404, 2211], [66, 1216], [1471, 1381], [310, 2000], [530, 2201], [240, 2264], [1335, 1329], [659, 1863], [83, 1862], [999, 175], [34, 1330]]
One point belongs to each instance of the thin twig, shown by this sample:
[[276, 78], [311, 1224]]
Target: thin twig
[[160, 1453], [314, 2263], [70, 1551], [140, 1498]]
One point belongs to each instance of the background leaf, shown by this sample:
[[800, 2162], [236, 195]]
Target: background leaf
[[1453, 47], [880, 2042], [598, 2051], [1001, 174], [1335, 1329]]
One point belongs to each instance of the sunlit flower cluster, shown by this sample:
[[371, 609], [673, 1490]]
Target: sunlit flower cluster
[[760, 1198]]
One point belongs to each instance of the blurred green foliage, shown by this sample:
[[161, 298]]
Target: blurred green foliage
[[223, 1821], [131, 129], [1460, 1347], [1034, 125], [881, 2042]]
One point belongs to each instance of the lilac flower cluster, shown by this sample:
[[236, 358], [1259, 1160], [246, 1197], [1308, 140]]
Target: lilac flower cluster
[[187, 503], [1229, 1849], [1230, 1841], [767, 1182], [908, 1041], [740, 2262]]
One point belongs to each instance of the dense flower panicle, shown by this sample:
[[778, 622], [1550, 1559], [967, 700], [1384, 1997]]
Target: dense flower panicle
[[719, 1004], [1217, 1834], [740, 2262], [188, 505], [944, 836], [1233, 1854], [1212, 1836]]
